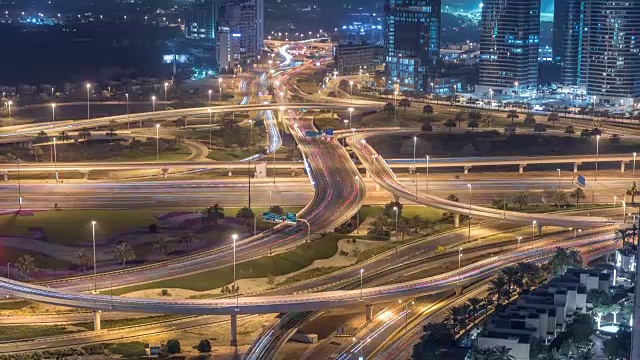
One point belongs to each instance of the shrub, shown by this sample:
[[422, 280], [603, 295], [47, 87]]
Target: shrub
[[153, 228], [173, 346], [164, 292], [204, 346]]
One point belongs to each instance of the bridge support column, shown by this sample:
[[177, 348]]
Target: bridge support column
[[456, 220], [86, 174], [96, 320], [368, 309], [367, 173], [459, 290], [332, 114], [6, 176], [539, 229], [521, 168], [622, 166], [466, 170], [575, 168], [234, 330], [165, 173], [377, 187]]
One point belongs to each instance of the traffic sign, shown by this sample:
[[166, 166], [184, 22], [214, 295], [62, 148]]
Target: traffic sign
[[312, 133], [328, 131], [271, 217], [291, 218], [581, 181]]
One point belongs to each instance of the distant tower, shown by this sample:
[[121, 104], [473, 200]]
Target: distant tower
[[568, 25]]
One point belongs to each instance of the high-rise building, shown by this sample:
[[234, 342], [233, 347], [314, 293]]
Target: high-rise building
[[201, 20], [568, 23], [610, 64], [412, 40], [509, 44]]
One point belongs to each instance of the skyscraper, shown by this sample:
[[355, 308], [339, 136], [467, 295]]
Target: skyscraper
[[201, 20], [610, 65], [568, 23], [412, 40], [509, 42]]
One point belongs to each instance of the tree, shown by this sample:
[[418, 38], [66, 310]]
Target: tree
[[124, 252], [436, 337], [64, 136], [521, 200], [456, 318], [585, 133], [473, 123], [512, 114], [497, 288], [619, 346], [530, 274], [378, 226], [173, 346], [204, 346], [632, 191], [450, 123], [502, 352], [389, 107], [42, 137], [530, 120], [510, 130], [84, 134], [498, 204], [578, 194], [539, 128], [111, 133], [553, 118], [551, 355], [569, 130], [82, 259], [614, 139], [26, 266], [211, 214], [276, 210], [427, 109], [403, 228], [246, 214], [404, 104], [427, 127], [474, 307], [36, 151], [559, 198], [475, 115], [163, 245], [460, 117], [453, 197], [468, 150], [389, 210], [188, 239], [511, 275]]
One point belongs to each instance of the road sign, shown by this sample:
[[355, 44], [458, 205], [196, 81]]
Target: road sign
[[291, 218], [328, 131], [271, 217], [581, 181], [312, 133]]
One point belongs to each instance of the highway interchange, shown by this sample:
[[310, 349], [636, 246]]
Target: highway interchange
[[335, 193]]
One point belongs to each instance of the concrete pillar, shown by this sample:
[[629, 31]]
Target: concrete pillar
[[575, 168], [456, 220], [377, 187], [396, 198], [331, 114], [86, 174], [165, 173], [539, 229], [230, 173], [367, 174], [521, 169], [622, 166], [466, 170], [96, 320], [234, 330], [6, 176], [459, 290], [368, 309]]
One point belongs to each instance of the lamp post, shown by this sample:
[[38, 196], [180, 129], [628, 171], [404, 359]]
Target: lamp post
[[634, 167], [469, 232], [516, 93], [127, 97], [358, 212], [519, 238], [395, 108], [351, 84], [415, 168], [55, 159], [220, 89], [210, 92], [361, 290], [533, 229], [53, 113], [209, 129], [158, 142], [395, 208], [250, 149], [350, 112], [427, 174], [9, 106], [597, 154], [558, 179], [234, 237], [93, 233], [459, 258], [165, 95], [88, 101], [490, 98], [433, 90]]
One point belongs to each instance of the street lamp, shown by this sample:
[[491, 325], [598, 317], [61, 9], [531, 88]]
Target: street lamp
[[350, 112], [165, 94], [157, 141], [153, 103], [519, 238], [415, 168], [395, 208], [127, 97], [220, 89], [210, 92], [427, 174], [490, 98], [9, 105], [209, 129], [516, 94], [533, 229], [234, 237], [433, 89], [634, 167], [358, 212], [395, 108], [88, 101], [351, 83], [459, 258], [55, 159], [558, 179], [53, 112], [597, 154], [361, 291], [93, 231], [469, 232]]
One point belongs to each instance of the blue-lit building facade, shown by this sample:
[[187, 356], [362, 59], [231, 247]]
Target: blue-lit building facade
[[509, 45], [568, 23], [412, 41], [358, 33]]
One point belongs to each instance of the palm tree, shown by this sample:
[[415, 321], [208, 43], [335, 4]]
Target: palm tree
[[632, 191], [521, 200], [553, 117], [246, 214], [450, 123], [512, 114], [623, 234], [26, 266], [188, 239], [497, 288], [416, 223], [578, 194], [460, 117], [474, 306], [486, 301], [378, 226], [211, 214], [63, 136], [83, 259], [530, 274], [111, 133], [124, 252], [453, 197], [510, 274], [562, 260], [569, 130], [530, 120], [426, 226], [574, 258], [456, 318], [36, 151], [163, 245], [84, 134], [551, 355], [276, 209], [42, 137], [502, 352]]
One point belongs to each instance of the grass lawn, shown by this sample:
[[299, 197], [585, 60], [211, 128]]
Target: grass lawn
[[18, 332], [133, 349], [228, 155], [14, 304], [408, 211], [74, 226], [280, 264], [118, 323], [42, 261]]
